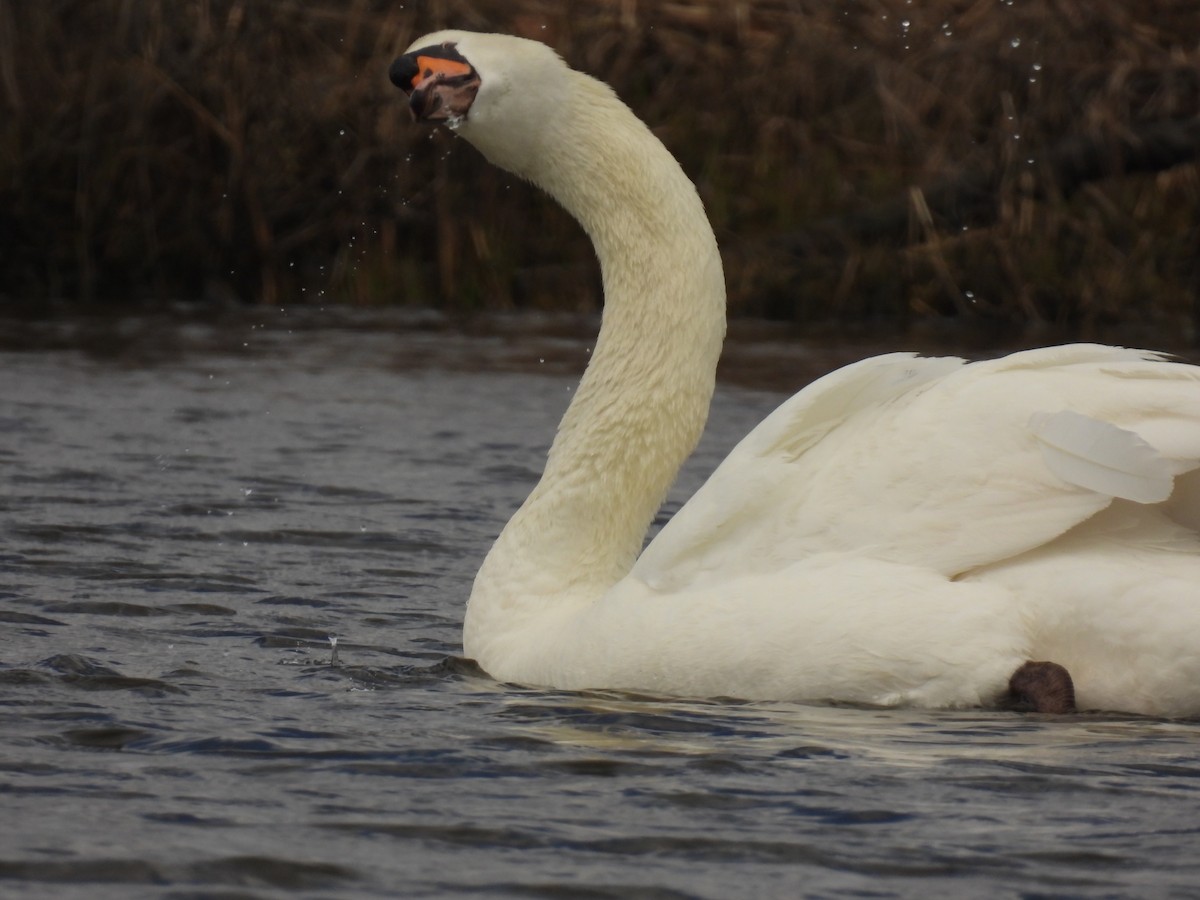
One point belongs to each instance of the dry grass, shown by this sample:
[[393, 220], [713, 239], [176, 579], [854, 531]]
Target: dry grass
[[219, 149]]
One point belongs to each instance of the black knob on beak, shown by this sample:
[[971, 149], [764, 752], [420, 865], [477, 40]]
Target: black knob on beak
[[403, 71]]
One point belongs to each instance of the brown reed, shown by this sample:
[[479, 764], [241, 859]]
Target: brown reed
[[253, 151]]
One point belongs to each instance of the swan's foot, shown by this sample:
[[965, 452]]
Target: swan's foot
[[1043, 687]]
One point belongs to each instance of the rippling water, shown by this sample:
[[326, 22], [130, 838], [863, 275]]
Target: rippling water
[[188, 514]]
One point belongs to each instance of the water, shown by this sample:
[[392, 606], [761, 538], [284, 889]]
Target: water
[[189, 513]]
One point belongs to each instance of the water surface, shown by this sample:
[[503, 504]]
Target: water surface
[[189, 513]]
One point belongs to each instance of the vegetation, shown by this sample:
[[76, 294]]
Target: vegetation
[[1023, 168]]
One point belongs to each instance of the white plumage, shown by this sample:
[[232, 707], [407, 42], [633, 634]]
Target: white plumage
[[904, 530]]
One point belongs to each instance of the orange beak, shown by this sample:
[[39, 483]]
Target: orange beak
[[435, 67]]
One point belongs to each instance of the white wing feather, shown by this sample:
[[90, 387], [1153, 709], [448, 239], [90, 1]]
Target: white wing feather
[[933, 463], [1101, 457]]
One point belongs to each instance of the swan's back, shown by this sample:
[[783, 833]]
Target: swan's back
[[935, 463]]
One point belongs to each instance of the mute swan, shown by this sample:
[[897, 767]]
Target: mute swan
[[902, 531]]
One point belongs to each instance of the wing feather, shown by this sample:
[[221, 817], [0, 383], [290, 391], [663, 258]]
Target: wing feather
[[1101, 457], [934, 463]]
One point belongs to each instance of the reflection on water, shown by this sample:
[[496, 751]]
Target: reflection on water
[[185, 522]]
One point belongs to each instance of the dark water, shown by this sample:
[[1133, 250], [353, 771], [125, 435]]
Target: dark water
[[188, 514]]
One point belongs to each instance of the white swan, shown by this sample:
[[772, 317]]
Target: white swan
[[902, 531]]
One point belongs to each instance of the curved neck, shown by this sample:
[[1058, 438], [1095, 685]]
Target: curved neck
[[643, 401]]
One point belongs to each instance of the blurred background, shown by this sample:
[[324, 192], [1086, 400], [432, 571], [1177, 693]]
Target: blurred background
[[1001, 170]]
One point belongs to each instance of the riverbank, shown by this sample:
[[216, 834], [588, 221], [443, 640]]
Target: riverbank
[[1016, 169]]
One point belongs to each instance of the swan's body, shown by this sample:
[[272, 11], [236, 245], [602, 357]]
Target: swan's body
[[904, 530]]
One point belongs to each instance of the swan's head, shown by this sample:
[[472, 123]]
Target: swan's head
[[501, 93]]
